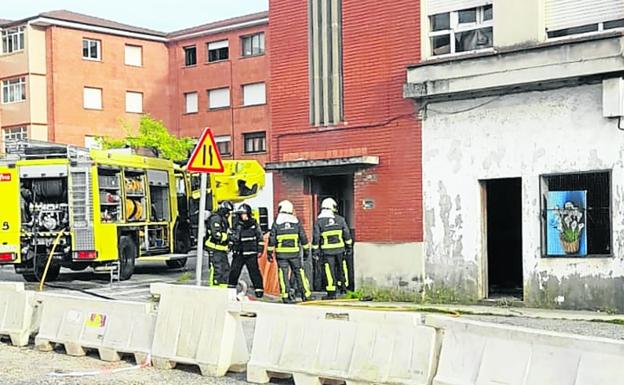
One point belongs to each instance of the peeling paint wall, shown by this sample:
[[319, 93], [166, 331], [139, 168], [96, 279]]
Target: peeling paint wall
[[521, 135]]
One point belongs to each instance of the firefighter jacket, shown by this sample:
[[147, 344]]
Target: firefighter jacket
[[247, 238], [331, 234], [287, 237], [217, 232]]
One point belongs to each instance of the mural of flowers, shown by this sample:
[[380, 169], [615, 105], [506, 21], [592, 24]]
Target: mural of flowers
[[569, 222]]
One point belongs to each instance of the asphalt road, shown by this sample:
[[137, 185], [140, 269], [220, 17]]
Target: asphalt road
[[134, 289]]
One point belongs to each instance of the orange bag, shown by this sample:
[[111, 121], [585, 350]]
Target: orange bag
[[268, 271]]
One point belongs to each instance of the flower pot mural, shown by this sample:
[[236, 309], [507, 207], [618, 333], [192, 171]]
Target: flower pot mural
[[566, 218]]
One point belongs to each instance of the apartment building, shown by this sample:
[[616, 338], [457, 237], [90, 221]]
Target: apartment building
[[219, 76], [523, 161], [341, 128], [68, 77]]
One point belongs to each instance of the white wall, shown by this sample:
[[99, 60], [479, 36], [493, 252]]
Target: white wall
[[521, 135]]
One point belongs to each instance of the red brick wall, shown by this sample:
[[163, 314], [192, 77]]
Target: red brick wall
[[69, 73], [380, 38], [233, 73]]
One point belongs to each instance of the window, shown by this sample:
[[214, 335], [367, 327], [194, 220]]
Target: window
[[576, 214], [218, 98], [255, 142], [461, 31], [134, 55], [218, 50], [190, 56], [91, 49], [190, 102], [92, 142], [134, 102], [587, 28], [12, 135], [223, 144], [253, 44], [12, 39], [325, 68], [254, 94], [565, 17], [14, 90], [92, 98]]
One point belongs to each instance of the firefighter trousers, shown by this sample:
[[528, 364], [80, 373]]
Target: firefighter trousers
[[294, 264], [219, 267], [251, 261], [336, 273]]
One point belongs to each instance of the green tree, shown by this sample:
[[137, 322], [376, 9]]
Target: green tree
[[151, 134]]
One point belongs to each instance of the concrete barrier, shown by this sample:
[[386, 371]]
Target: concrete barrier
[[320, 344], [112, 327], [478, 353], [17, 312], [199, 326]]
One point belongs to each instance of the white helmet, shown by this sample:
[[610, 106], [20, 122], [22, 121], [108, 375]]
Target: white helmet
[[329, 204], [286, 207]]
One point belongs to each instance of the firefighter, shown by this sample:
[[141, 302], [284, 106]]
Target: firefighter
[[286, 241], [248, 244], [331, 242], [217, 244]]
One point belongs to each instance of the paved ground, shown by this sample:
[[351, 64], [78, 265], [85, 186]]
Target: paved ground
[[134, 289], [26, 366]]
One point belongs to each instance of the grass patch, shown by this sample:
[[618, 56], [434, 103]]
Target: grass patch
[[184, 277]]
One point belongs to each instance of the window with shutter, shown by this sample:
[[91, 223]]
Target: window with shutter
[[134, 55], [134, 102], [190, 102], [219, 98], [572, 17], [92, 98], [254, 94]]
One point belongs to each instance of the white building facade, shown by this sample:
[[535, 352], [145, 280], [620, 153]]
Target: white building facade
[[523, 150]]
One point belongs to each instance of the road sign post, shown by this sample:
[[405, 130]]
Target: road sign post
[[205, 159]]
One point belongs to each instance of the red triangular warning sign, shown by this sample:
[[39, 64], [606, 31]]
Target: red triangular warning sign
[[206, 157]]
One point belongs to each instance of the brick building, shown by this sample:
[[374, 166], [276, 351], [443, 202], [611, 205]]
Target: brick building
[[68, 77], [341, 128], [219, 75]]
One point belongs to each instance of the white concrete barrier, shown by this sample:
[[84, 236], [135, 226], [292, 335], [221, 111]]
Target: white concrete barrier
[[17, 312], [478, 353], [316, 344], [199, 326], [111, 327]]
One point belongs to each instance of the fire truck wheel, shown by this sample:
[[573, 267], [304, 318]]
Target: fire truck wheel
[[127, 257], [53, 272], [176, 263]]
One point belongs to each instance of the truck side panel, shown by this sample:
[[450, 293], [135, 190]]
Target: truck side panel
[[10, 221]]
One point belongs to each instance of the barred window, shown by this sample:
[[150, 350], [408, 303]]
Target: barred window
[[576, 214], [325, 35]]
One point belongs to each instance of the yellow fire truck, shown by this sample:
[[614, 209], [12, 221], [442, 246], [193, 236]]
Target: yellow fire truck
[[103, 208]]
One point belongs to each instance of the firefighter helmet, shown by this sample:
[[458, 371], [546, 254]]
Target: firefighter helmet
[[286, 207], [329, 204], [244, 208]]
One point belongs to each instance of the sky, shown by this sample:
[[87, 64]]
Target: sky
[[161, 15]]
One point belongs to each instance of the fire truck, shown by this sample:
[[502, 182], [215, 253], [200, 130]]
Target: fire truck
[[107, 210]]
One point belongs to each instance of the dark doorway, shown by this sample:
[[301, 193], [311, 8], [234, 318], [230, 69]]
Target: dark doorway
[[339, 187], [504, 237]]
